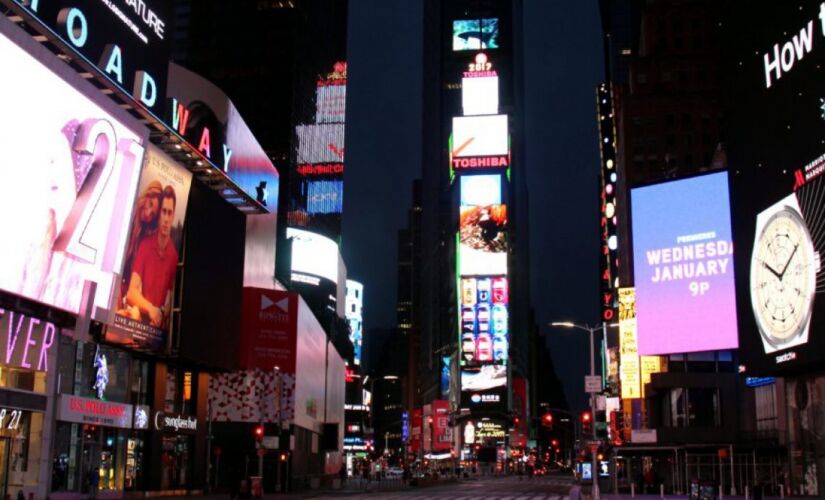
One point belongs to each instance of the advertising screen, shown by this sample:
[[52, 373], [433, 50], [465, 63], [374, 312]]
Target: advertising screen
[[630, 371], [321, 143], [492, 399], [144, 299], [473, 34], [484, 319], [483, 378], [354, 308], [480, 190], [479, 95], [683, 266], [480, 136], [313, 254], [775, 113], [67, 180], [483, 240], [129, 42], [325, 196], [331, 103]]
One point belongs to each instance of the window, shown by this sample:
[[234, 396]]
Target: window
[[703, 407], [766, 408], [677, 407], [702, 362]]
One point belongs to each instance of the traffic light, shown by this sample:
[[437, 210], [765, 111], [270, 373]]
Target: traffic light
[[547, 420], [555, 443], [587, 423], [259, 433]]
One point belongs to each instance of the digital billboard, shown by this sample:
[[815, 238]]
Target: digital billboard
[[129, 42], [630, 365], [485, 135], [481, 190], [331, 102], [777, 159], [479, 95], [483, 378], [144, 299], [354, 314], [313, 254], [473, 34], [325, 196], [683, 266], [67, 180], [483, 240], [484, 319], [320, 143]]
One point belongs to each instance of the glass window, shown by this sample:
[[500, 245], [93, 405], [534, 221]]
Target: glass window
[[704, 362], [171, 389], [139, 382], [703, 407], [676, 363], [110, 371], [677, 407]]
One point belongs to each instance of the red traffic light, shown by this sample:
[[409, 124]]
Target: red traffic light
[[586, 416], [259, 431], [555, 443], [548, 418], [516, 420]]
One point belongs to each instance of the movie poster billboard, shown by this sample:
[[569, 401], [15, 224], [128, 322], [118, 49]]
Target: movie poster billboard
[[683, 266], [150, 262], [483, 240], [776, 123], [68, 174]]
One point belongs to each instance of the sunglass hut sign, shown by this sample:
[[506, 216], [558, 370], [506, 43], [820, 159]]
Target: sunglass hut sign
[[127, 40]]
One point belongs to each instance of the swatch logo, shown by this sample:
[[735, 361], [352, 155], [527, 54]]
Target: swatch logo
[[274, 310]]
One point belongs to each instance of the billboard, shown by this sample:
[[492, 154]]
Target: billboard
[[775, 111], [313, 254], [144, 298], [442, 433], [484, 319], [331, 101], [483, 240], [67, 180], [481, 190], [205, 117], [483, 378], [475, 136], [320, 143], [354, 314], [479, 95], [129, 42], [492, 399], [474, 34], [629, 372], [683, 266], [325, 196]]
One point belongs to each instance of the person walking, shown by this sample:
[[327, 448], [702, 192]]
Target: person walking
[[93, 481]]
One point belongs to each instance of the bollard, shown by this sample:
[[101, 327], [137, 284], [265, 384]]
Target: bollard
[[632, 490], [782, 491], [747, 490], [721, 493], [661, 491]]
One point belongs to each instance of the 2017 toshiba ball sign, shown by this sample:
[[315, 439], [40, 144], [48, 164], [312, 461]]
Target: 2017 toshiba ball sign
[[683, 266], [68, 174]]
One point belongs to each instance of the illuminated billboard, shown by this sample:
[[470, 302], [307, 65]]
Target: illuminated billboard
[[313, 254], [475, 136], [474, 34], [144, 298], [484, 319], [480, 190], [479, 95], [483, 240], [331, 102], [775, 144], [325, 196], [630, 369], [320, 143], [67, 180], [683, 265], [354, 315]]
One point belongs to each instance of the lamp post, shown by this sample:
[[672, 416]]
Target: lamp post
[[594, 474]]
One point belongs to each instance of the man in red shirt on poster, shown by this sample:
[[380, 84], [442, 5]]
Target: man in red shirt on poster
[[154, 267]]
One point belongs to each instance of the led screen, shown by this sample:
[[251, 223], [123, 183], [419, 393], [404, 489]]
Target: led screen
[[325, 197], [68, 176], [480, 190], [683, 266], [331, 103], [484, 320], [354, 307], [483, 378], [483, 240], [473, 34], [479, 95], [322, 143], [313, 254], [480, 136], [144, 298]]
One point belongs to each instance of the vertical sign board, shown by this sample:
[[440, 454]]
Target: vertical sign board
[[628, 350]]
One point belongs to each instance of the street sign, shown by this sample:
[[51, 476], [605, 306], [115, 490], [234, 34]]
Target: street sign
[[270, 442], [593, 383]]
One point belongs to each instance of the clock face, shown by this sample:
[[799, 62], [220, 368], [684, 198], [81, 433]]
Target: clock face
[[782, 278]]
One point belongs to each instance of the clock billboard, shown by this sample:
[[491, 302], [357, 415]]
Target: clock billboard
[[776, 156]]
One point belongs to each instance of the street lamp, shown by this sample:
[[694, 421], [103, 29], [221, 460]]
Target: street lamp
[[590, 329]]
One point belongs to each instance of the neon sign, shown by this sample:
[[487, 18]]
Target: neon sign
[[480, 67]]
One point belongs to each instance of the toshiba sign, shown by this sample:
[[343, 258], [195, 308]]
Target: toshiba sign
[[500, 161]]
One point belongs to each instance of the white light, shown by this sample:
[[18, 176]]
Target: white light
[[613, 177], [609, 210], [612, 242], [609, 162]]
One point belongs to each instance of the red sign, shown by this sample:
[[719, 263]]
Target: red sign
[[442, 437], [415, 430], [465, 163], [320, 168], [93, 411], [268, 330]]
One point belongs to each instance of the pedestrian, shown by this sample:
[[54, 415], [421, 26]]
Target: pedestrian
[[93, 480]]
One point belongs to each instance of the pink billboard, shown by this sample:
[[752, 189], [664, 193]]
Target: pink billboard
[[68, 175]]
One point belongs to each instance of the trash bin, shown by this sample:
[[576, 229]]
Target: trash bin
[[256, 486]]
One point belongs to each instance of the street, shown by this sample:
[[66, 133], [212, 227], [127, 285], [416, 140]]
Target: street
[[510, 488]]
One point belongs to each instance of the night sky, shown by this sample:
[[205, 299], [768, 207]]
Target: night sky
[[563, 66]]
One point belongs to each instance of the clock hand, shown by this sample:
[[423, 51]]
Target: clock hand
[[772, 270], [788, 263]]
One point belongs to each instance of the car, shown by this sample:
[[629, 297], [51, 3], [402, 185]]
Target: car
[[484, 347], [484, 290]]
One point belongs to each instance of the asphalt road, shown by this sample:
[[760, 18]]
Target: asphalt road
[[500, 488]]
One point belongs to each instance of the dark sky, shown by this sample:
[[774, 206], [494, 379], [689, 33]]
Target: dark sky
[[563, 65]]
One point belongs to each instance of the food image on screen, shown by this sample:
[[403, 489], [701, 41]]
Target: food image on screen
[[483, 378], [483, 228], [472, 34]]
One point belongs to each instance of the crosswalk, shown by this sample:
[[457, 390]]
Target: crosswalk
[[487, 495]]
